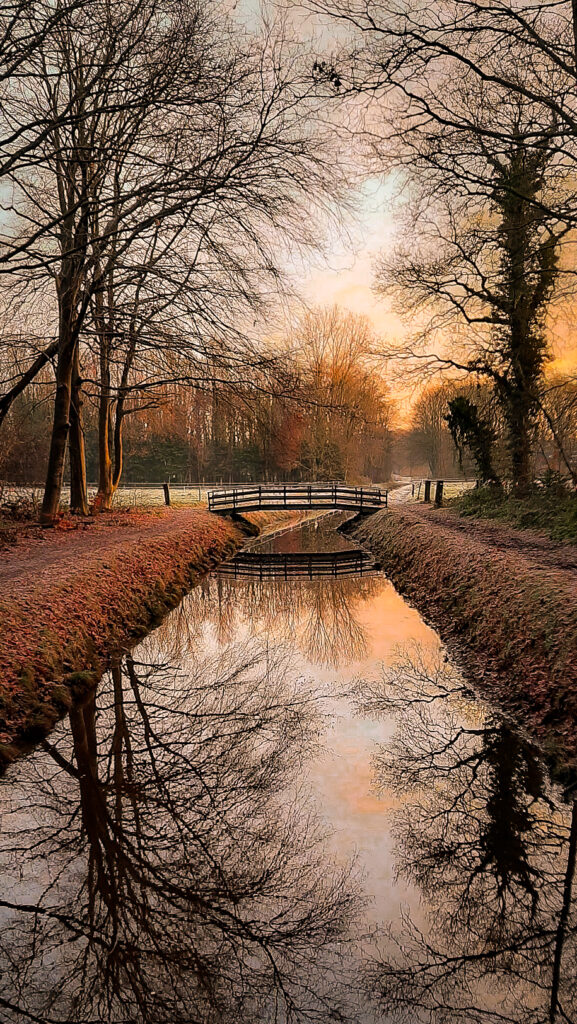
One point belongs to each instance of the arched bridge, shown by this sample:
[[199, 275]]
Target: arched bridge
[[297, 497]]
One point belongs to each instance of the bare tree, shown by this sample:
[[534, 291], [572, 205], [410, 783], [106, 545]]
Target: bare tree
[[474, 105], [186, 881], [347, 408], [161, 197], [25, 27], [492, 850]]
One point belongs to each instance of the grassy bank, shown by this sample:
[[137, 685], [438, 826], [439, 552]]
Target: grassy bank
[[67, 601], [510, 618], [552, 511]]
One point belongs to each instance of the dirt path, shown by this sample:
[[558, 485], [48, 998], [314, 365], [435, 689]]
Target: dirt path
[[42, 558], [532, 550]]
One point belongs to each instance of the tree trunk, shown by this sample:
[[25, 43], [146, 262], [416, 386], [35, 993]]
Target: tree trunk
[[94, 811], [105, 485], [121, 409], [520, 443], [61, 421], [563, 917], [78, 487], [118, 444]]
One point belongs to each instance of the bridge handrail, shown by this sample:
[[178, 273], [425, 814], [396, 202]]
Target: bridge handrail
[[301, 488], [311, 564], [290, 494], [292, 557]]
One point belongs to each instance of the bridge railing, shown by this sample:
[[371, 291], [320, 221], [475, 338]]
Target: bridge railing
[[295, 496], [312, 565]]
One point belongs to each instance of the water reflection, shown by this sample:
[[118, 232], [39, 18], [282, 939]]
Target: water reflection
[[314, 565], [321, 535], [491, 852], [321, 618], [162, 865], [181, 850]]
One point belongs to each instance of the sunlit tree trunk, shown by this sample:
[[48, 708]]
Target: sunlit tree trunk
[[110, 437]]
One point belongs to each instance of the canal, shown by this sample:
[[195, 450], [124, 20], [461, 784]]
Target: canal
[[287, 805]]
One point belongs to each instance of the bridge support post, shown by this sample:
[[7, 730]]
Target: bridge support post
[[439, 493], [427, 494]]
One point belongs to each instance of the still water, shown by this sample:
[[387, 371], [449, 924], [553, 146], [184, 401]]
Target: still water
[[286, 805]]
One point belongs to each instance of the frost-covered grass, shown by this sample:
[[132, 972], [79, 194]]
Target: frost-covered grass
[[71, 595], [509, 610]]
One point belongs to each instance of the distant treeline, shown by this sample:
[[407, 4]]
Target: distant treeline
[[329, 419], [433, 445], [220, 434]]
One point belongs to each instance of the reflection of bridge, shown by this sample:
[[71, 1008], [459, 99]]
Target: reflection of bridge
[[302, 565], [296, 496]]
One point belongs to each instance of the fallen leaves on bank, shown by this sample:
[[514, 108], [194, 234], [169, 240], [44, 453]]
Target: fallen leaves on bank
[[68, 596]]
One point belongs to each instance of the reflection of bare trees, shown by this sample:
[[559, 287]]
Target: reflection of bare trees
[[158, 868], [492, 854], [320, 617]]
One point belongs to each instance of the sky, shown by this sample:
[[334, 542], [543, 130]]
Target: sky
[[346, 279], [345, 273]]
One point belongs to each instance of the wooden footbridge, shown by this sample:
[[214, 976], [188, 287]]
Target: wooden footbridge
[[297, 497]]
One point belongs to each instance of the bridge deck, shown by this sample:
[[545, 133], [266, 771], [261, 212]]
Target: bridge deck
[[296, 496]]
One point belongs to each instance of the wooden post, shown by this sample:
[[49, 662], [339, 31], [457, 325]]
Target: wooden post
[[427, 495], [439, 493], [166, 490]]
